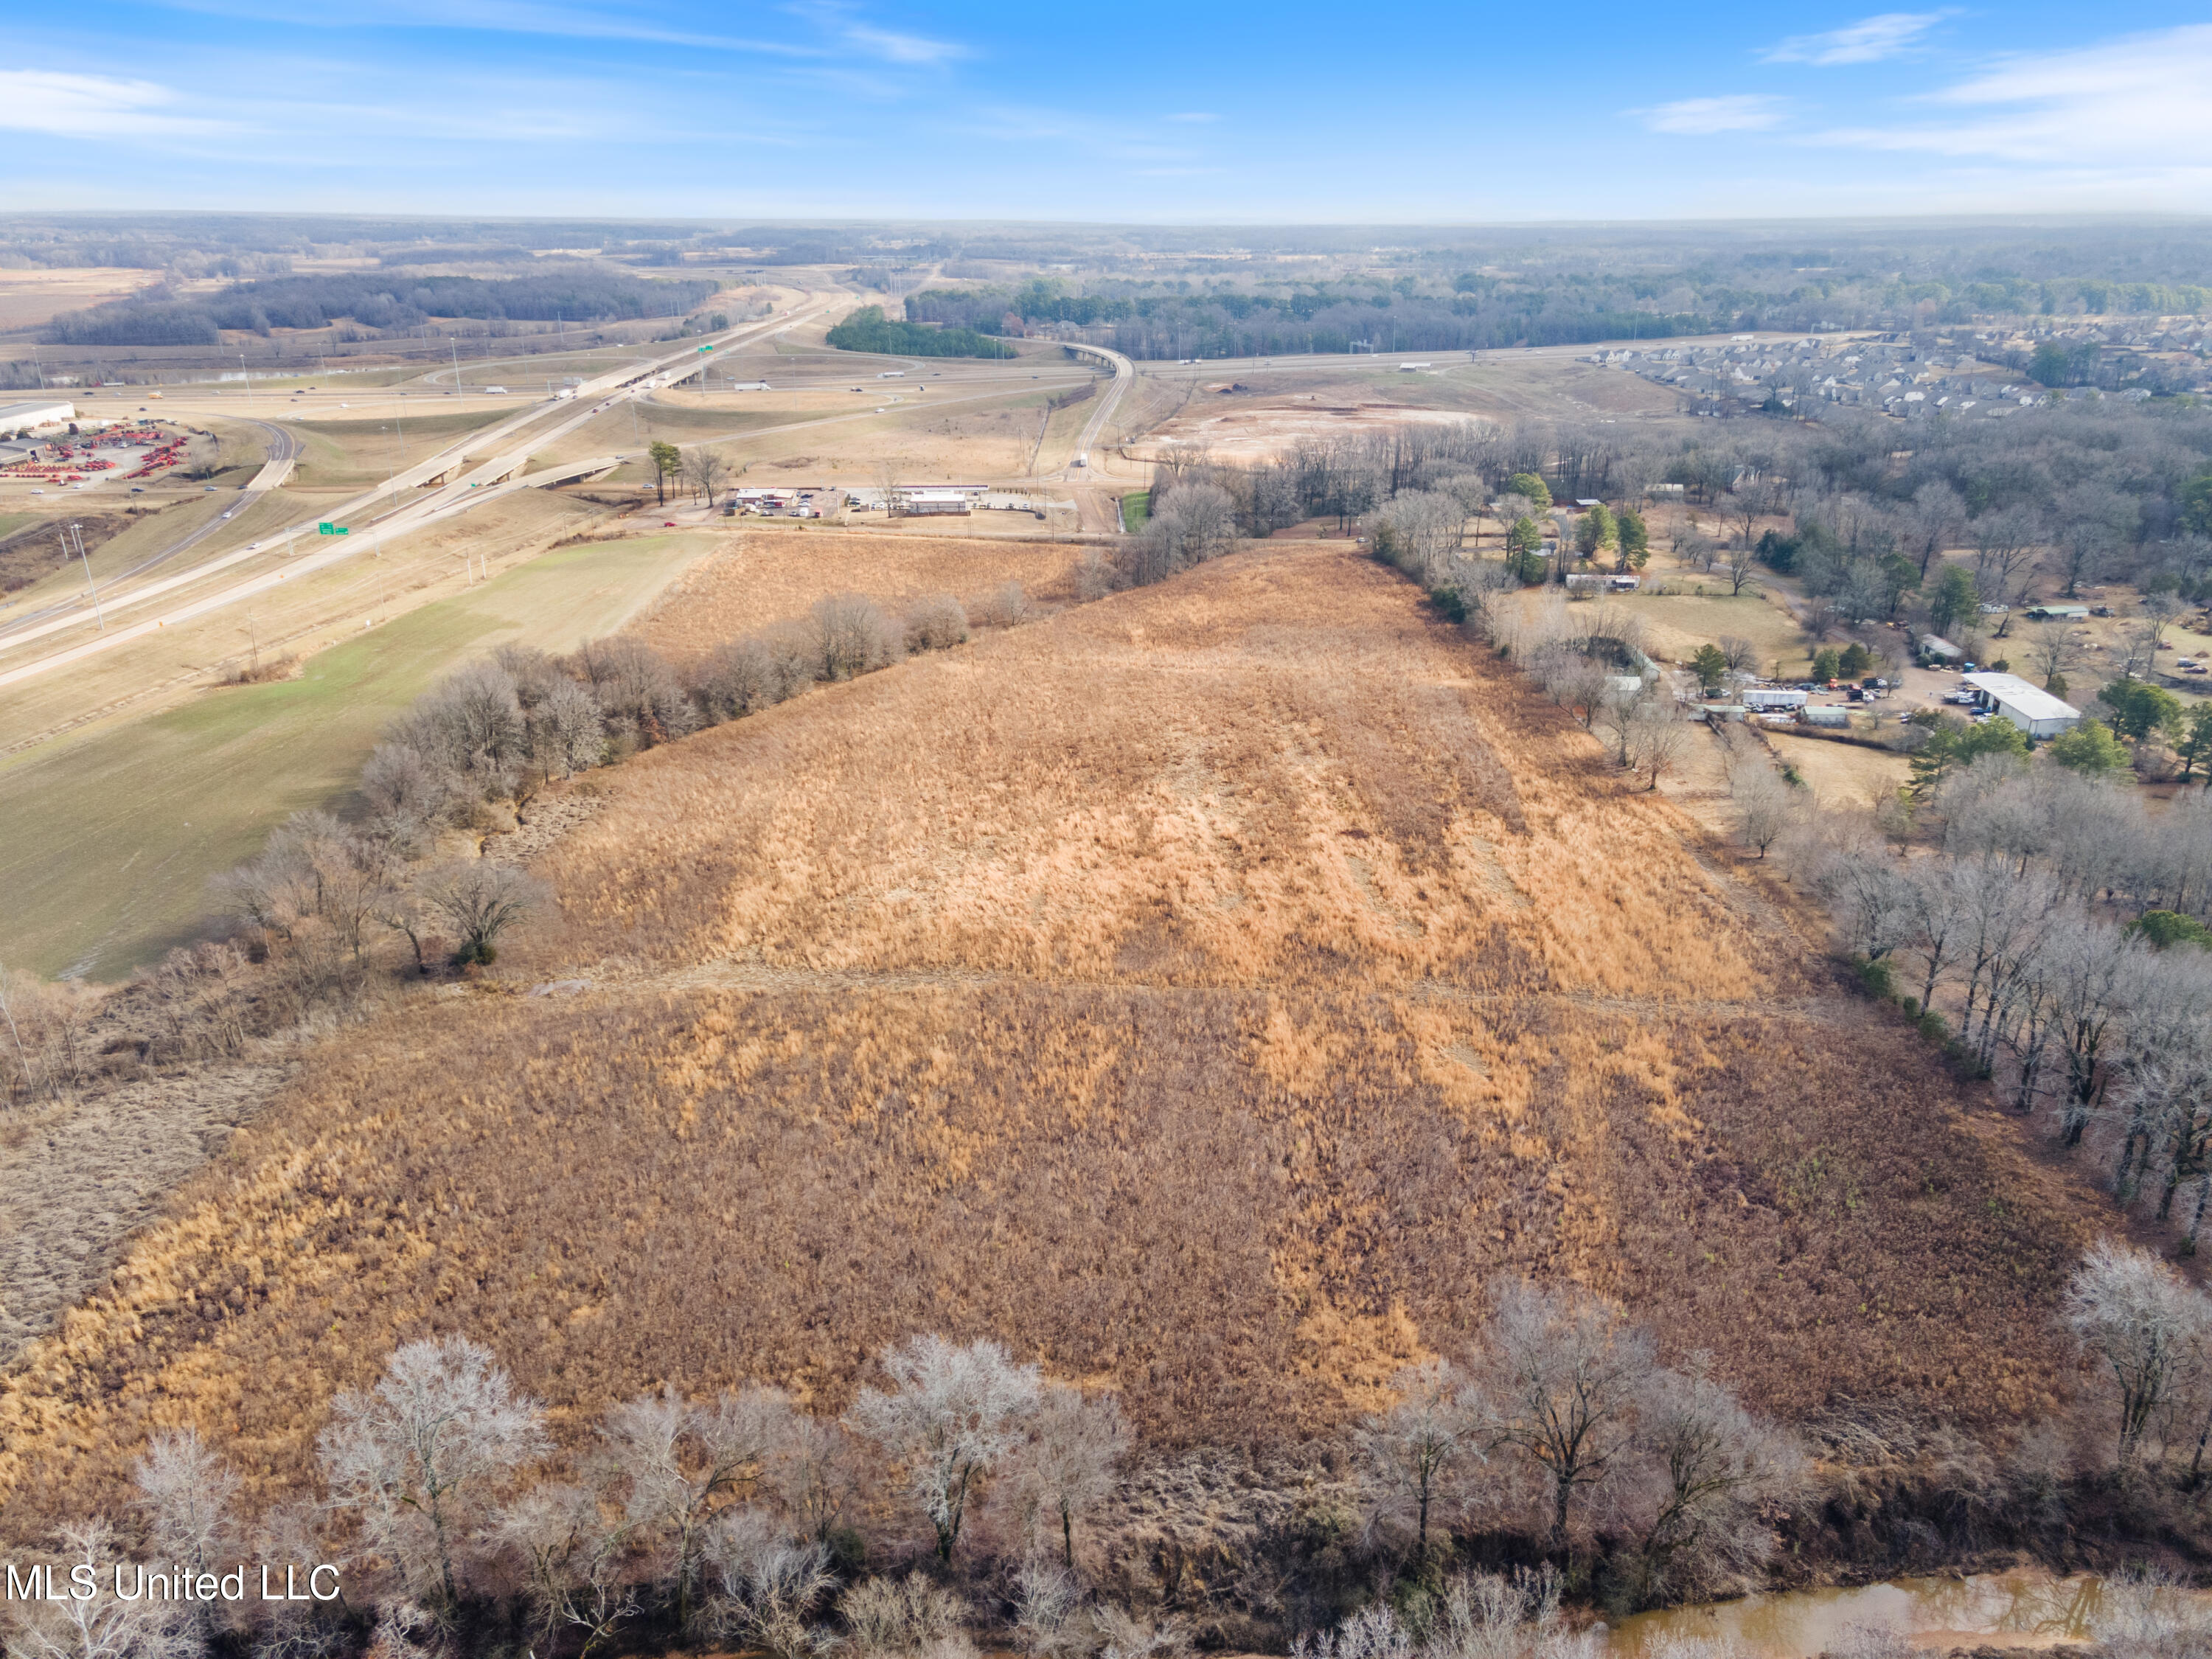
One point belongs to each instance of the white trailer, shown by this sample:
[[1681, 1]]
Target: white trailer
[[1769, 700]]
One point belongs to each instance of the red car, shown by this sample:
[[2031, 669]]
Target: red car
[[668, 524]]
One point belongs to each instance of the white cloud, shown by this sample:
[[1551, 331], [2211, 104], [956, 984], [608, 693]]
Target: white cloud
[[88, 106], [896, 48], [489, 16], [1737, 113], [2135, 106], [1867, 41]]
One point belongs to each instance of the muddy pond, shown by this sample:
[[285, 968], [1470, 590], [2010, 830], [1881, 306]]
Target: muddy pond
[[2024, 1609]]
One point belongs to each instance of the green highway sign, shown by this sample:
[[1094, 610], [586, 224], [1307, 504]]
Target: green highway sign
[[706, 348], [326, 528]]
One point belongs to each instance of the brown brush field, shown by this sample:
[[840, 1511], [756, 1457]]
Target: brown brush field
[[1211, 990], [763, 576]]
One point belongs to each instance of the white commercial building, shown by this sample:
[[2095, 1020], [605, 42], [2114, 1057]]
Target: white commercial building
[[922, 502], [14, 417], [2030, 707]]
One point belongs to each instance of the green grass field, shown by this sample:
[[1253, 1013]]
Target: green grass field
[[106, 844], [1135, 510]]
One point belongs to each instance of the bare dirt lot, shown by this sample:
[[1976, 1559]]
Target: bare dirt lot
[[1252, 410]]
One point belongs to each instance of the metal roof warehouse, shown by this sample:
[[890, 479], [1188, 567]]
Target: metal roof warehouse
[[2030, 707]]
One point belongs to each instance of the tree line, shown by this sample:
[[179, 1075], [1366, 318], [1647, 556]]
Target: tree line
[[964, 1498], [739, 1516], [380, 302], [2049, 932], [869, 330], [1162, 322]]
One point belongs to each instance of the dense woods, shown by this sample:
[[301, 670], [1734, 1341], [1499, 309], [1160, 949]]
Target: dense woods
[[868, 330], [1153, 323], [375, 301]]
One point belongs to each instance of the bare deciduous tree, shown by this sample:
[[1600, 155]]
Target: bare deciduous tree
[[479, 901], [679, 1461], [854, 635], [1655, 739], [1067, 1469], [1189, 524], [1415, 1456], [1563, 1371], [2139, 1317], [811, 1468], [705, 472], [935, 621], [1763, 803], [639, 695], [469, 726], [769, 1582], [416, 1455], [186, 1493], [910, 1618], [1707, 1467], [951, 1414], [101, 1625], [559, 1538]]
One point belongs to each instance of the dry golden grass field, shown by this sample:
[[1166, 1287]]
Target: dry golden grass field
[[33, 296], [766, 576], [1212, 990]]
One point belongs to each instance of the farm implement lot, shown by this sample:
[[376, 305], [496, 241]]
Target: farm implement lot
[[1211, 990]]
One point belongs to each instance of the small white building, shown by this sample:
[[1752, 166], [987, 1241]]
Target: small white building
[[2030, 707], [15, 417], [920, 502]]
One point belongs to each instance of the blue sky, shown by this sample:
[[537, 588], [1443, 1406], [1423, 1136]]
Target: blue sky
[[1150, 110]]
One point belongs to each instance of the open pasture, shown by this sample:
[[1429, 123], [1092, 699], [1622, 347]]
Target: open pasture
[[1211, 991]]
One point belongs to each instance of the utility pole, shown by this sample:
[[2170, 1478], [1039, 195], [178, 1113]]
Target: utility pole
[[455, 345], [77, 529]]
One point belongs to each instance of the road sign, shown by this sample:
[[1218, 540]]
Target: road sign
[[708, 348], [326, 528]]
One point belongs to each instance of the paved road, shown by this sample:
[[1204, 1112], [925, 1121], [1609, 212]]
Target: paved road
[[1125, 375], [457, 495], [283, 452]]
